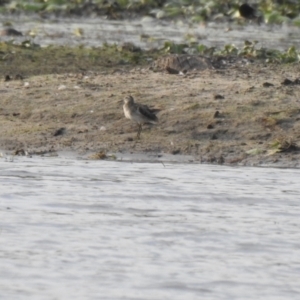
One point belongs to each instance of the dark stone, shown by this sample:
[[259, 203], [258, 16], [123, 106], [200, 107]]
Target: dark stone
[[59, 131], [216, 114], [171, 70], [176, 151], [218, 97], [247, 12], [267, 84], [10, 32], [287, 82], [297, 81]]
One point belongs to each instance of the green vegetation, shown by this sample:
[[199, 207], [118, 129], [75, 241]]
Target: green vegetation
[[273, 11], [29, 58], [283, 144], [249, 50]]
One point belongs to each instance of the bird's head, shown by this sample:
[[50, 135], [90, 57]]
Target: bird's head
[[128, 100]]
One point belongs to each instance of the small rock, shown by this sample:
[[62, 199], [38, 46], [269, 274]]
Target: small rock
[[59, 131], [175, 151], [20, 152], [10, 32], [216, 114], [82, 131], [182, 72], [246, 11], [218, 97], [171, 70], [61, 87], [287, 82], [267, 84]]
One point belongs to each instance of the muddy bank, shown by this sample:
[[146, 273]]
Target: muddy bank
[[245, 114]]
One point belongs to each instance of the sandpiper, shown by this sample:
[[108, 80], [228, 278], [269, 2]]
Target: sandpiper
[[139, 113]]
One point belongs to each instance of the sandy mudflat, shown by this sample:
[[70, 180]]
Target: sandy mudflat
[[238, 115]]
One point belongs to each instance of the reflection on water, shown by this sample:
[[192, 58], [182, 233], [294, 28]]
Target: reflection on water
[[149, 33], [74, 229]]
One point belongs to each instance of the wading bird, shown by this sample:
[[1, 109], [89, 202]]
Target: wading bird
[[139, 113]]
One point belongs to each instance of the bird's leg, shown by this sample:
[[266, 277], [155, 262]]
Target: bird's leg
[[139, 131]]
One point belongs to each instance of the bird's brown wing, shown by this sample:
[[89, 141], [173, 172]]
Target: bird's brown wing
[[148, 112], [154, 110]]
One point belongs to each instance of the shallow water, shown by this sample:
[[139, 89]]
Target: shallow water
[[149, 32], [75, 229]]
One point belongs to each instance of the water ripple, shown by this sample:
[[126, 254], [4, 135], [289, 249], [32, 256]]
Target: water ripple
[[110, 230]]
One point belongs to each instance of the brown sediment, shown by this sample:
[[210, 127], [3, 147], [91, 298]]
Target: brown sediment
[[241, 127]]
